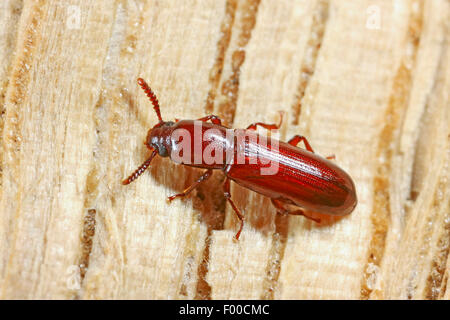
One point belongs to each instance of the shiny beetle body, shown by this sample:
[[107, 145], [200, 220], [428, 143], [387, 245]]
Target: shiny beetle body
[[301, 178]]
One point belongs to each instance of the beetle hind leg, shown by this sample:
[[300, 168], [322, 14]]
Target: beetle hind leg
[[281, 209], [213, 118], [302, 213], [267, 126], [295, 140], [227, 194]]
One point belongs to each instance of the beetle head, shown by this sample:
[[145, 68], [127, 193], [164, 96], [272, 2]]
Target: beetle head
[[158, 138]]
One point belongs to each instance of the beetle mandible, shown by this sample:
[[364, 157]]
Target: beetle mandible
[[302, 178]]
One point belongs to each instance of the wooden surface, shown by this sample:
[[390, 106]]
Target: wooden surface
[[366, 80]]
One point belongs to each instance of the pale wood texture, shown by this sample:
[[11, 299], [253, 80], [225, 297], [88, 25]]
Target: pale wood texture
[[366, 80]]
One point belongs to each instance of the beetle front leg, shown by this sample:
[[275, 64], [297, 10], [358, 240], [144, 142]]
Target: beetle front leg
[[227, 194], [282, 210], [267, 126], [188, 190], [214, 119]]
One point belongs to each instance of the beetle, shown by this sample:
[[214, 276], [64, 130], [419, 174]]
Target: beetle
[[302, 178]]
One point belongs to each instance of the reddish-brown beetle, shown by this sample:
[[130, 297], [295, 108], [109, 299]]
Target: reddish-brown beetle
[[302, 178]]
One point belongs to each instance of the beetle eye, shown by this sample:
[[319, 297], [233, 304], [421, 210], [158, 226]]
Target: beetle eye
[[162, 151]]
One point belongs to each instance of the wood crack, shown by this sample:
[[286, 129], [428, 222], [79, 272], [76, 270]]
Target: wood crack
[[435, 287], [230, 87], [397, 106], [227, 109], [86, 241], [276, 255], [94, 183], [11, 135], [308, 66], [10, 40], [436, 282], [279, 238], [215, 73]]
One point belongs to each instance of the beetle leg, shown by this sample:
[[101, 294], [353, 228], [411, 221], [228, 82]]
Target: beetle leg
[[302, 213], [265, 125], [296, 140], [214, 119], [279, 206], [227, 194], [282, 210], [188, 190]]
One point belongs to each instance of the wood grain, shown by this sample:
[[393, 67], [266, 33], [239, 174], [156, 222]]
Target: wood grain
[[366, 80]]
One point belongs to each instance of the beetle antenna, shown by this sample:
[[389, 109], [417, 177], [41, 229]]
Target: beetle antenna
[[139, 170], [151, 96]]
